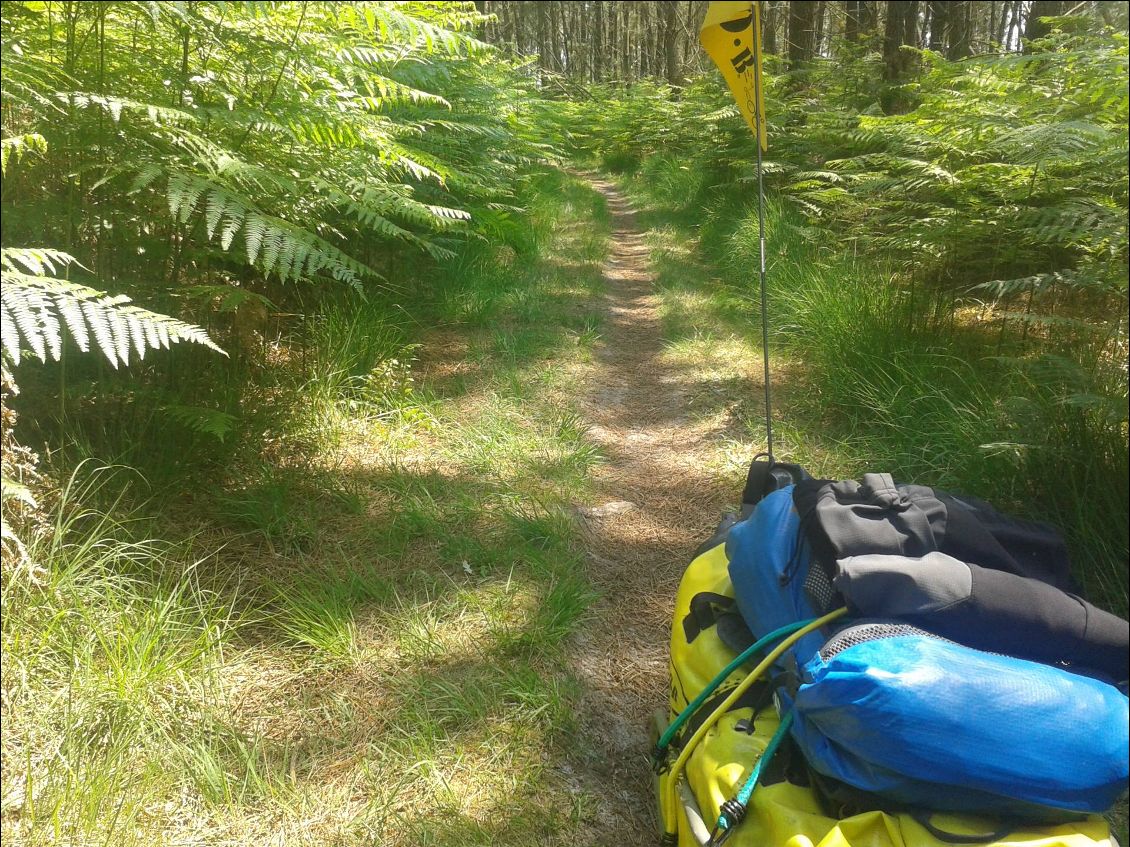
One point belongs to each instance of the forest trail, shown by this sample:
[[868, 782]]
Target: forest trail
[[654, 505]]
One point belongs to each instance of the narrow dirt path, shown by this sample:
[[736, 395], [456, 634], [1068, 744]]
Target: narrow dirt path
[[654, 506]]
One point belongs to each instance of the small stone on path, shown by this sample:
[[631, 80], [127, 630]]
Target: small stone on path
[[616, 507]]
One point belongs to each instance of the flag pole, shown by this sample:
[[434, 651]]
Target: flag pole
[[755, 12]]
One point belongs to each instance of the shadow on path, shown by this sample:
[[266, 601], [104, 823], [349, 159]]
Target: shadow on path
[[655, 504]]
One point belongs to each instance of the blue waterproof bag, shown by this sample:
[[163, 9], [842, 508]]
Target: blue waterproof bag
[[893, 710], [769, 569]]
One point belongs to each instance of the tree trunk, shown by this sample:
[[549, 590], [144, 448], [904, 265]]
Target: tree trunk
[[670, 10], [565, 58], [552, 12], [851, 21], [1016, 28], [910, 34], [939, 24], [509, 16], [598, 41], [818, 29], [901, 28], [893, 62], [640, 38], [770, 12], [646, 33], [542, 34], [960, 30], [802, 19], [625, 51], [690, 31], [1011, 24], [1042, 9], [530, 30], [868, 17]]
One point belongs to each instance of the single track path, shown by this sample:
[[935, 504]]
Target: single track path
[[655, 504]]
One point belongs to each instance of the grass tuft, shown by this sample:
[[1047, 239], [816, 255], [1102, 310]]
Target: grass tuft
[[867, 378], [371, 649]]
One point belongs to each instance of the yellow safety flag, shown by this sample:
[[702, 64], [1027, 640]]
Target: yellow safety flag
[[731, 36]]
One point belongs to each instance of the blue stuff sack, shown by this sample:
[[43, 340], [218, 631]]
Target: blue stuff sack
[[922, 721], [769, 569]]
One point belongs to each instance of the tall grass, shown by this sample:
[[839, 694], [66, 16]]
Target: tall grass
[[354, 631], [893, 382], [943, 404], [110, 643]]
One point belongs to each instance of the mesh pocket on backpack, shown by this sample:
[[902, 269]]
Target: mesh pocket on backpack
[[864, 632]]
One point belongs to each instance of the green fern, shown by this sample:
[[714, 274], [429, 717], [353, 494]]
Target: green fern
[[383, 122], [34, 308], [272, 244], [15, 147], [210, 422]]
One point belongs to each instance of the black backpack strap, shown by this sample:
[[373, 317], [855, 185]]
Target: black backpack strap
[[758, 697], [922, 818], [765, 477], [706, 606], [756, 482]]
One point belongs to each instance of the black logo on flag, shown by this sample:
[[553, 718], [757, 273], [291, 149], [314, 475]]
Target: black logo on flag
[[743, 61]]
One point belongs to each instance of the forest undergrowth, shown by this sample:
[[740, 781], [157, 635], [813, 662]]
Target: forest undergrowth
[[323, 588], [856, 387], [948, 282], [293, 663], [853, 391]]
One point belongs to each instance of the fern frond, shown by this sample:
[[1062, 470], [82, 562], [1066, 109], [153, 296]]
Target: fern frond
[[1074, 222], [272, 244], [29, 80], [380, 91], [115, 106], [31, 304], [386, 23], [16, 146], [1040, 142], [206, 421], [228, 298], [1039, 283]]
